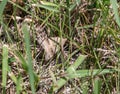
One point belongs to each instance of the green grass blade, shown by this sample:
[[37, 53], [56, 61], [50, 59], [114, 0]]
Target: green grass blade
[[48, 7], [2, 6], [85, 87], [25, 66], [115, 10], [76, 64], [73, 6], [48, 4], [78, 2], [97, 86], [80, 74], [13, 77], [18, 85], [85, 73], [17, 81], [4, 67], [68, 3], [29, 56], [70, 70], [22, 60]]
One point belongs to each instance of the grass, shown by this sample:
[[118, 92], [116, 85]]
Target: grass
[[32, 62], [4, 67], [2, 6], [29, 57]]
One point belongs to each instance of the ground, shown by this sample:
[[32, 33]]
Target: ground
[[59, 47]]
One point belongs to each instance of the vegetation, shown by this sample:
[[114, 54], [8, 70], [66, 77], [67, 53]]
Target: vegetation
[[59, 47]]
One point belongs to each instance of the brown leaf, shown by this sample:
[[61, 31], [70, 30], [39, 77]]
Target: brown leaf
[[51, 46]]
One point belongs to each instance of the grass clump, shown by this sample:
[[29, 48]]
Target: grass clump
[[61, 47]]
